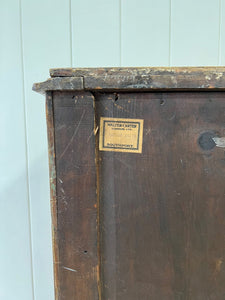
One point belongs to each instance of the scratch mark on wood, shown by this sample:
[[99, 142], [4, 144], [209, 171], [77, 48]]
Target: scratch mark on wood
[[121, 107], [90, 136], [60, 180], [172, 117], [96, 130], [148, 131], [69, 269], [73, 136], [220, 142], [218, 265], [124, 163]]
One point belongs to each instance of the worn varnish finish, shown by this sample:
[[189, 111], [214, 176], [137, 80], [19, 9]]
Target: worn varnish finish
[[134, 79], [140, 71], [130, 226], [76, 196], [162, 212]]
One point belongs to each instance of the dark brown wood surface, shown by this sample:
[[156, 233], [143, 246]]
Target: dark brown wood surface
[[162, 211], [157, 229], [76, 196], [52, 179]]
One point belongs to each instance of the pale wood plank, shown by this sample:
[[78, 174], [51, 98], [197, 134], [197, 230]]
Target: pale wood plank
[[195, 32], [15, 244], [145, 32], [46, 43], [95, 33], [222, 34]]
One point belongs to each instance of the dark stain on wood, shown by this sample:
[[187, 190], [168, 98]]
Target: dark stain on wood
[[206, 141], [52, 178], [129, 225], [76, 196], [162, 212]]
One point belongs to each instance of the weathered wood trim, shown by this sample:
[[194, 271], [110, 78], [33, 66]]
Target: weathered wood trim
[[59, 84], [154, 82], [52, 176], [134, 79], [131, 71]]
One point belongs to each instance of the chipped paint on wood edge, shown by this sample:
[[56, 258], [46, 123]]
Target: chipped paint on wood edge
[[52, 177], [219, 141], [59, 84], [137, 79], [133, 71]]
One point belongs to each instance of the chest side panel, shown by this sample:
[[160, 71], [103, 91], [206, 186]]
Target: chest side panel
[[76, 196], [162, 211]]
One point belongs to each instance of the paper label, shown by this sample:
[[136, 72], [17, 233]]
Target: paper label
[[121, 135]]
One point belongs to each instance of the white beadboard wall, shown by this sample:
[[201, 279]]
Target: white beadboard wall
[[36, 35]]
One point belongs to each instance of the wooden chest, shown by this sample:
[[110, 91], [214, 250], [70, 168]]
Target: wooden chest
[[137, 174]]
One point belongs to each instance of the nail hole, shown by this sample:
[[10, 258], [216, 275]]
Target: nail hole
[[73, 97], [85, 252], [162, 102], [116, 97]]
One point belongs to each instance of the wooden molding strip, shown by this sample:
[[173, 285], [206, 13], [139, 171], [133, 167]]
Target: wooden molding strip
[[127, 79]]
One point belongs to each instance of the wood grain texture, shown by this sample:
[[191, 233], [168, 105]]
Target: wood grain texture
[[160, 233], [59, 84], [131, 79], [134, 71], [162, 211], [52, 179], [76, 196], [46, 43]]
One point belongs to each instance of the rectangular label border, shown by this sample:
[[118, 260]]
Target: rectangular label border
[[103, 135]]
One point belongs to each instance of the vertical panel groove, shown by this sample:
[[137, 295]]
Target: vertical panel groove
[[71, 36], [193, 22], [90, 20], [53, 183], [50, 27], [99, 270], [120, 34], [145, 27], [220, 30], [26, 148], [170, 32]]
